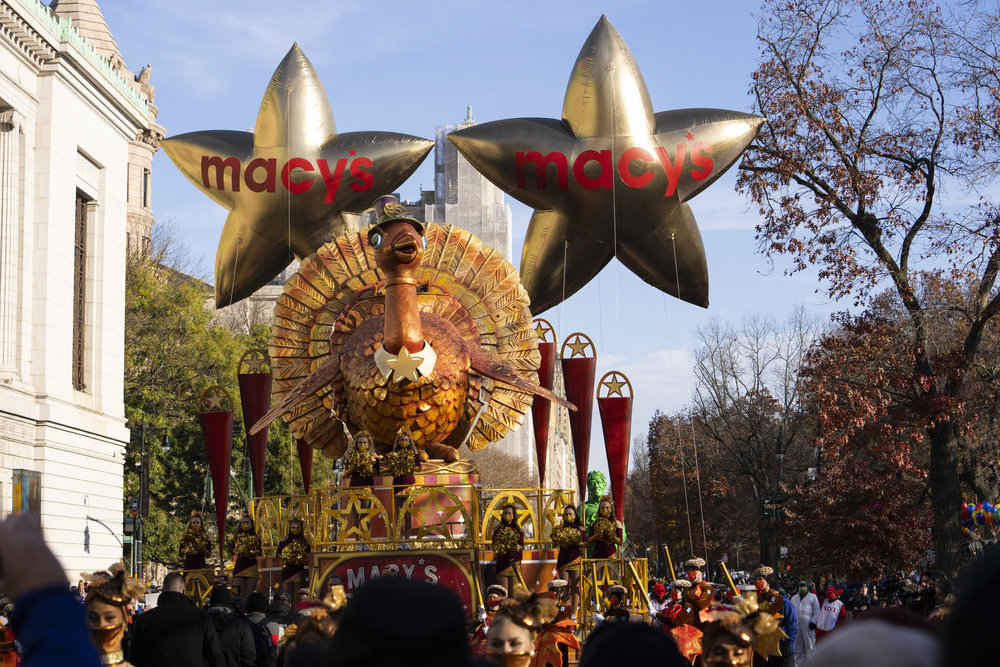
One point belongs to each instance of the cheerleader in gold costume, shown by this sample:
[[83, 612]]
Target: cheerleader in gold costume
[[195, 545], [570, 538], [246, 547], [508, 545], [294, 550]]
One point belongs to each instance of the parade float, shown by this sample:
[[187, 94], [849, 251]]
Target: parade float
[[419, 340]]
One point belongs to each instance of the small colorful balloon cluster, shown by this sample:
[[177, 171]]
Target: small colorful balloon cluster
[[977, 517]]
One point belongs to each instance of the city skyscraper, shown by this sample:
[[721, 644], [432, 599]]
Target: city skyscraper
[[465, 198]]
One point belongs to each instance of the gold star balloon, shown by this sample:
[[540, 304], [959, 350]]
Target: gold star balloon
[[288, 183], [610, 179]]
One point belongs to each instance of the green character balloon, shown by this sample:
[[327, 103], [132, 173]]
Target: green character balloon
[[597, 488]]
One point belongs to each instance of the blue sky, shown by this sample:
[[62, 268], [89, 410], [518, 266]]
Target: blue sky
[[409, 67]]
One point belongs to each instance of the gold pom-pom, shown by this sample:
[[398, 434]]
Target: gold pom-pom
[[566, 537], [398, 463], [195, 543], [294, 553], [361, 463], [246, 545], [506, 540], [605, 530]]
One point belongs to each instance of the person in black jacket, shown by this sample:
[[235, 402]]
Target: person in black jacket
[[234, 632], [175, 632]]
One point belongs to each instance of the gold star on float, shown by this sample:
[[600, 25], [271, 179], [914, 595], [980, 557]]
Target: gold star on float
[[356, 511], [610, 179], [215, 403], [614, 386], [289, 182], [405, 366], [215, 399], [578, 344], [254, 361], [540, 330]]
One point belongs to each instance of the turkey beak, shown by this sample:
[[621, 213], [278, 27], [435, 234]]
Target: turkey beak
[[407, 247]]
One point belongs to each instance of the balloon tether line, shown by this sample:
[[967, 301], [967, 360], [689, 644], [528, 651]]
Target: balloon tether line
[[614, 227], [687, 509], [565, 250], [236, 264], [288, 199], [694, 436]]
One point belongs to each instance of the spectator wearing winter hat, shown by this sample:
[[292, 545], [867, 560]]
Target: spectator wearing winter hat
[[234, 633], [768, 599]]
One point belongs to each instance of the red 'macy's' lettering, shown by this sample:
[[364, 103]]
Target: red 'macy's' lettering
[[261, 174], [635, 167]]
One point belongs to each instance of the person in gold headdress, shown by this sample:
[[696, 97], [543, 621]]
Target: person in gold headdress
[[195, 545], [557, 641], [246, 547], [735, 635], [510, 641], [107, 607], [294, 550]]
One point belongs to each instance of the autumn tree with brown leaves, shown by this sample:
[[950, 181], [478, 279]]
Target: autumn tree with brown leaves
[[874, 109], [865, 513]]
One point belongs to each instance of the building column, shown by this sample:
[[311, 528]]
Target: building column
[[11, 127]]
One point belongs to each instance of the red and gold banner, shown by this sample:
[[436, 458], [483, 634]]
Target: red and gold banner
[[541, 408], [254, 376], [453, 569], [579, 372], [215, 410], [616, 422], [305, 462]]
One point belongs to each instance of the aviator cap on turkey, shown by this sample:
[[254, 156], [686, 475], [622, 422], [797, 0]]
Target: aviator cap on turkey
[[680, 583], [763, 572], [557, 583], [694, 563]]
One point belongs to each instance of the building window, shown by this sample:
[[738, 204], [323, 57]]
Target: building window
[[145, 187], [79, 289]]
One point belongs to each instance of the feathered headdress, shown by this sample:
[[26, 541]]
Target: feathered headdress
[[529, 610], [748, 624], [114, 586]]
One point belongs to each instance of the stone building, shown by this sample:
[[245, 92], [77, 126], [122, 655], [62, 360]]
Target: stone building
[[77, 134]]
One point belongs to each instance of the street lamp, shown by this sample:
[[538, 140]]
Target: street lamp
[[144, 483]]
